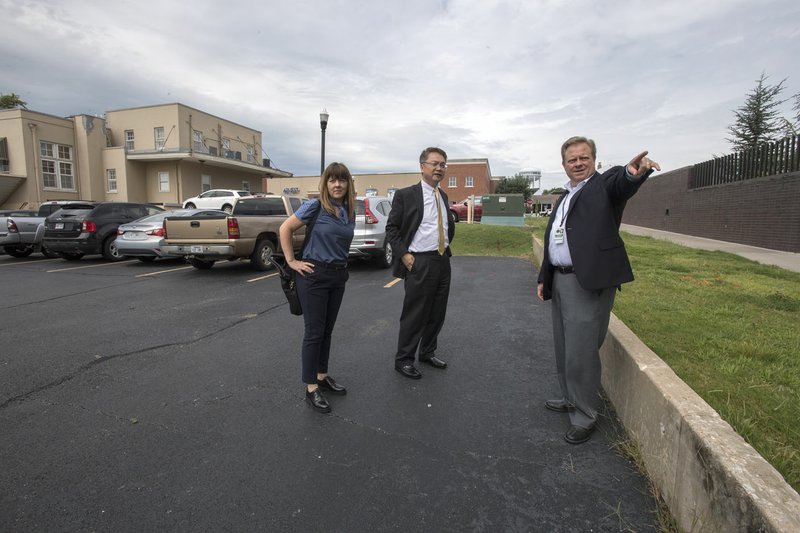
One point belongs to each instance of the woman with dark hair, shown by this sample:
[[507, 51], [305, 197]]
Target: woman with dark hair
[[322, 274]]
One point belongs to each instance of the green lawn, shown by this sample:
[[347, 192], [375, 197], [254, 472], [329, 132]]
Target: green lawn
[[726, 325]]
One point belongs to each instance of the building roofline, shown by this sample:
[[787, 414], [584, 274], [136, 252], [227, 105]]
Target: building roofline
[[178, 104]]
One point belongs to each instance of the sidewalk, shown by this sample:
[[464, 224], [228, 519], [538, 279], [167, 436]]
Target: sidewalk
[[787, 260]]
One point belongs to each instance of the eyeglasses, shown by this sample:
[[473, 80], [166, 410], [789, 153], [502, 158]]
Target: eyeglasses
[[435, 164]]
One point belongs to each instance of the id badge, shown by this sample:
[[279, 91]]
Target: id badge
[[558, 236]]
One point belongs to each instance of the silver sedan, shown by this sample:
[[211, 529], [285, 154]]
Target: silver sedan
[[143, 238]]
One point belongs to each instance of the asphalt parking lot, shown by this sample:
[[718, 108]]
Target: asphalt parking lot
[[151, 397]]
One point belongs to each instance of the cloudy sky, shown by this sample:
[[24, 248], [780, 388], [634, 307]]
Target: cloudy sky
[[505, 80]]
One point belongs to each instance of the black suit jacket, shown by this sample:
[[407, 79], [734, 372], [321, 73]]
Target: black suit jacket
[[404, 219], [592, 226]]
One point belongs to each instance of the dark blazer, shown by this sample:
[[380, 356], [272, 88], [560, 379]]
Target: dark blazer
[[592, 226], [404, 219]]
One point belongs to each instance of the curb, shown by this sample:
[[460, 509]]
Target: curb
[[710, 478]]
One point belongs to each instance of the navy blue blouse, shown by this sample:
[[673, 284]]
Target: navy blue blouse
[[331, 237]]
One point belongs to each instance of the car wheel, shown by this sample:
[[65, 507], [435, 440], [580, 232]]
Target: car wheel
[[147, 259], [18, 251], [227, 208], [455, 217], [110, 250], [190, 205], [384, 260], [48, 254], [70, 256], [260, 260], [201, 264]]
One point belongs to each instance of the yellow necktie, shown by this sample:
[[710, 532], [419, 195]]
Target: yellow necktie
[[439, 224]]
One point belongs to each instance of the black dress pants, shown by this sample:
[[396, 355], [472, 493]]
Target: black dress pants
[[427, 288], [321, 294]]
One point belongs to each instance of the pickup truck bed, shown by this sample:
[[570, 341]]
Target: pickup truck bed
[[250, 232]]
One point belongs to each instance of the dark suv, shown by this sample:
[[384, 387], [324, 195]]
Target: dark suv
[[85, 228]]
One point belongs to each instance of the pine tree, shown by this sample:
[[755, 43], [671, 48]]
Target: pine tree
[[758, 120]]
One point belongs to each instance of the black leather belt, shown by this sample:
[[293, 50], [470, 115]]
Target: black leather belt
[[328, 266], [432, 252], [565, 270]]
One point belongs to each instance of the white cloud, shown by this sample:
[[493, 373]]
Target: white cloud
[[508, 80]]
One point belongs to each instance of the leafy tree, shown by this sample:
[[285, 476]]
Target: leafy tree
[[11, 101], [758, 120], [557, 190], [515, 184]]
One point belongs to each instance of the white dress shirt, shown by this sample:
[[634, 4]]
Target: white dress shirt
[[426, 239]]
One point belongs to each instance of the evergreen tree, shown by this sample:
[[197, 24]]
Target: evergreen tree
[[758, 120], [11, 101]]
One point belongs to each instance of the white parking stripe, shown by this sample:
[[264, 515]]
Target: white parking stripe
[[92, 266], [28, 262], [262, 277], [163, 271]]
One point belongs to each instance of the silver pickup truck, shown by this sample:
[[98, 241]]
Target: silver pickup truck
[[250, 232], [21, 231]]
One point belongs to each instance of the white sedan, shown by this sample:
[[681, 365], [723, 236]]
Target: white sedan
[[223, 199]]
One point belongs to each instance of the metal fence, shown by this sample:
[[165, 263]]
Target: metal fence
[[771, 159]]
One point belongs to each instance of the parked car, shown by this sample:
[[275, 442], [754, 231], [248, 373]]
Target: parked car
[[461, 211], [85, 228], [223, 199], [369, 239], [144, 238], [21, 232]]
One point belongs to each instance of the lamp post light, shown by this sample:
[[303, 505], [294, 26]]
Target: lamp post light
[[323, 124]]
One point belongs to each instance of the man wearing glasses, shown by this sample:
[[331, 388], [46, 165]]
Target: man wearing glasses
[[420, 229]]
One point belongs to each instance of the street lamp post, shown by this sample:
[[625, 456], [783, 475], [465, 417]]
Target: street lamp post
[[323, 124]]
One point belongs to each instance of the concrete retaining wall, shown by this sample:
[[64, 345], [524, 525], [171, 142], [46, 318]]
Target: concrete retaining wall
[[710, 478]]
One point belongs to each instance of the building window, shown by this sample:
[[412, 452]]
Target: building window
[[205, 183], [57, 169], [197, 141], [452, 182], [158, 134], [250, 157], [129, 140], [163, 182], [4, 165], [111, 179], [469, 182], [246, 186]]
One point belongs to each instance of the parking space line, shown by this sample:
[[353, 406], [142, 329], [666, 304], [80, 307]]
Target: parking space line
[[163, 271], [392, 283], [29, 263], [92, 266], [262, 277]]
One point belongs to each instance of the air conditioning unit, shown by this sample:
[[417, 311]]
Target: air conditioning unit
[[212, 150], [237, 155], [266, 162], [229, 154]]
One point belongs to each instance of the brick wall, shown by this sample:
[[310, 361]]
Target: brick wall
[[762, 212]]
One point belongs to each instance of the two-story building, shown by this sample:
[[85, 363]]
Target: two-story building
[[157, 154]]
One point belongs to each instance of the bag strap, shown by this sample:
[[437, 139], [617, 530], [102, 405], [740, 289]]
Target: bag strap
[[310, 228]]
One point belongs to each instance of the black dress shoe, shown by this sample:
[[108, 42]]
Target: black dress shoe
[[318, 401], [577, 435], [330, 385], [434, 361], [559, 406], [408, 370]]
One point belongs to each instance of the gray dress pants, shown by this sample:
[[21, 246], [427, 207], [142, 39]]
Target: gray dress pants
[[580, 323]]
